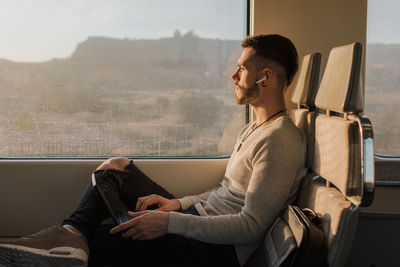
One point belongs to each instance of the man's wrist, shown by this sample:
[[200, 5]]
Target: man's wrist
[[179, 207]]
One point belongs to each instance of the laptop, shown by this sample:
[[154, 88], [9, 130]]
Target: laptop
[[117, 209]]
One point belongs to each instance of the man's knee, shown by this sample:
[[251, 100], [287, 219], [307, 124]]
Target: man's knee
[[118, 163]]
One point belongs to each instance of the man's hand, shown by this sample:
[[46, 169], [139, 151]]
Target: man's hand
[[163, 203], [145, 225]]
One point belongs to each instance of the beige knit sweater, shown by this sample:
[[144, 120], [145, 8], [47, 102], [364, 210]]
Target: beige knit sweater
[[260, 179]]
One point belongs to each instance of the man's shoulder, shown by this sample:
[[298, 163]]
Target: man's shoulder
[[286, 132], [284, 126], [282, 132]]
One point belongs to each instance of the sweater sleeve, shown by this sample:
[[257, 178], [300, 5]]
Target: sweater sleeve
[[275, 165], [187, 201]]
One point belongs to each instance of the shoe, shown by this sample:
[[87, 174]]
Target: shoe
[[54, 246]]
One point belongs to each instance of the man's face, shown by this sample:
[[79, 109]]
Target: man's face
[[245, 78]]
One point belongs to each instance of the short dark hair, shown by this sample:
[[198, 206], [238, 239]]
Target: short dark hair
[[276, 48]]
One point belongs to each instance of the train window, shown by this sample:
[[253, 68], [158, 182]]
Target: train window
[[382, 90], [127, 78]]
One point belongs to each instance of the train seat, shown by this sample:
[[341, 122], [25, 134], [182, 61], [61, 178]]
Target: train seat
[[340, 180]]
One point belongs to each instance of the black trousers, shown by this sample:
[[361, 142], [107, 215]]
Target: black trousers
[[113, 250]]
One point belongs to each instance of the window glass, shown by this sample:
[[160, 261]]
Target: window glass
[[119, 78], [382, 90]]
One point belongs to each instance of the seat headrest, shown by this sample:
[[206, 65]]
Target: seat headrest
[[340, 89], [308, 79]]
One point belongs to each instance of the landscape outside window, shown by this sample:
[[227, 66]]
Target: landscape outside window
[[133, 78], [382, 89]]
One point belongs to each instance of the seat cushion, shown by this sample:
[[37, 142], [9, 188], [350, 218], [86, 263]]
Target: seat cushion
[[305, 120], [339, 216], [336, 153]]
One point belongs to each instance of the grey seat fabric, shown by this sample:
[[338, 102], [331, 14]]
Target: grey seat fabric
[[308, 81], [336, 188], [340, 88], [339, 217], [341, 151], [304, 97]]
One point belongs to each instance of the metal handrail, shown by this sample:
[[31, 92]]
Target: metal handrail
[[367, 159]]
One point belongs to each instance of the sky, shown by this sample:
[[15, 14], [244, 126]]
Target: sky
[[38, 30], [383, 21]]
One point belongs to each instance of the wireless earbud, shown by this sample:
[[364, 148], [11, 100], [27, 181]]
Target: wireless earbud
[[262, 79]]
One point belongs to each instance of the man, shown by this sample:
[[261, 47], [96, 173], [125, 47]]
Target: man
[[222, 226]]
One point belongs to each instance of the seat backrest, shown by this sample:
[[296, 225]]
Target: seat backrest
[[338, 182], [304, 97], [308, 81], [343, 151]]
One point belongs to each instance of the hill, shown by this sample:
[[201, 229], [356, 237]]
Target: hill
[[169, 63], [383, 68]]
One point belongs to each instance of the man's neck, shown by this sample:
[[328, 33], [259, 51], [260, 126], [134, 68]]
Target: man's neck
[[264, 112]]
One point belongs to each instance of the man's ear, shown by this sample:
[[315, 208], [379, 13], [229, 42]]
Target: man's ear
[[268, 72], [268, 75]]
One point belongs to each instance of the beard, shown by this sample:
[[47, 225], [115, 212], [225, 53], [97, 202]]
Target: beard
[[244, 95]]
